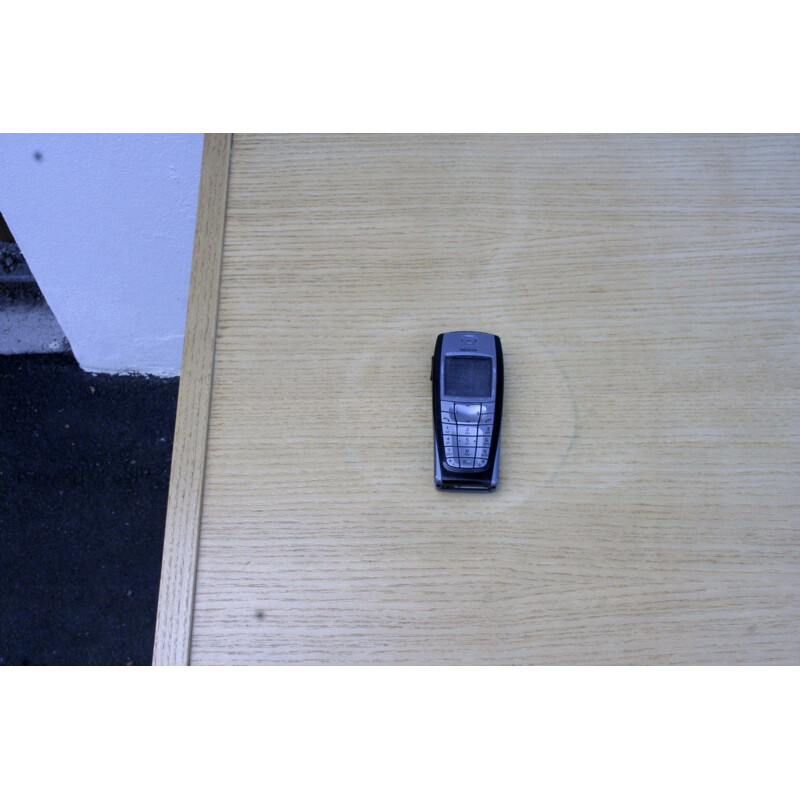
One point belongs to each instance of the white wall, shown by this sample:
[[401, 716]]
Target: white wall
[[106, 224]]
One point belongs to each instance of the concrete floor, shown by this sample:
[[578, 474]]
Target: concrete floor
[[84, 474], [29, 327]]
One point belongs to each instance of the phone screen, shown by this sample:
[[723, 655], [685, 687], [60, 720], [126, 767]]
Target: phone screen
[[468, 376]]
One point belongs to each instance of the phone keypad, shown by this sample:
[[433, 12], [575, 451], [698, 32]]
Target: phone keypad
[[467, 434]]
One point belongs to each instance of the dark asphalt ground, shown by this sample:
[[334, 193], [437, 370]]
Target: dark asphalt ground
[[84, 474]]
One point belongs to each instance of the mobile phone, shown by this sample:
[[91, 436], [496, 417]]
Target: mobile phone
[[467, 375]]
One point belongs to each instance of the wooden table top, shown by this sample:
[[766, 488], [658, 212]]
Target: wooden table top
[[646, 291]]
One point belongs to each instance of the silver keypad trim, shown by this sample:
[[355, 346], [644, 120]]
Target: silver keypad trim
[[467, 434], [468, 412], [467, 430]]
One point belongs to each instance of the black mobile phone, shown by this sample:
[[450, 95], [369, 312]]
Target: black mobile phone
[[467, 375]]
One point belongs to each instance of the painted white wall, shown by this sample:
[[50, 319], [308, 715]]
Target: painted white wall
[[106, 224]]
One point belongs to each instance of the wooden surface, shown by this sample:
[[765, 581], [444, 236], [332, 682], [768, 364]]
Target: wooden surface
[[646, 292], [174, 620]]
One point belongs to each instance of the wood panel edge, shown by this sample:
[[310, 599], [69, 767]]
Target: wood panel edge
[[182, 530]]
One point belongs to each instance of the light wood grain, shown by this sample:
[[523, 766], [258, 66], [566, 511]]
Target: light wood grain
[[646, 291], [178, 569]]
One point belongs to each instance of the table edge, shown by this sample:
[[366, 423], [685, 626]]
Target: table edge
[[182, 530]]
